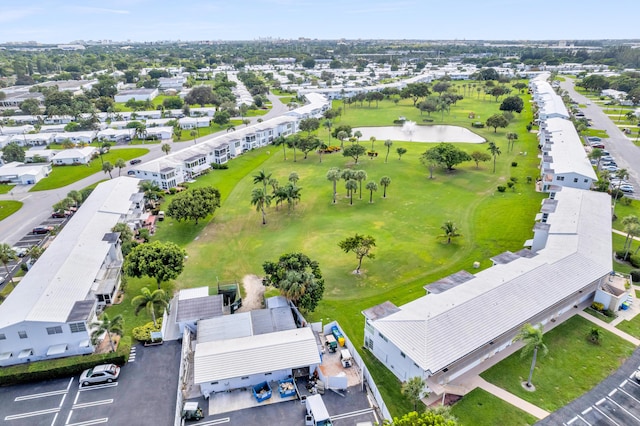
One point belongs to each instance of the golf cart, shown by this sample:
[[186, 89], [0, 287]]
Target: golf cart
[[191, 411]]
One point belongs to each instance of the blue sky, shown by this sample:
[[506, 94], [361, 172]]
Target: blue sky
[[148, 20]]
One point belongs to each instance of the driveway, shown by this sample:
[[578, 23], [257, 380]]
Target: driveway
[[627, 154], [144, 394]]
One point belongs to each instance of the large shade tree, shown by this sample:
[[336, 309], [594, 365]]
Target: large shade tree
[[297, 277], [361, 245], [194, 204], [162, 261]]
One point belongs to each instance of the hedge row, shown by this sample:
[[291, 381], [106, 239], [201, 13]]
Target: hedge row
[[62, 367]]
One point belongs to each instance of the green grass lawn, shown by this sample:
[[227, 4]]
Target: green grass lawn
[[595, 132], [480, 408], [631, 327], [572, 367], [4, 188], [618, 244], [406, 224], [7, 208], [622, 210], [66, 175]]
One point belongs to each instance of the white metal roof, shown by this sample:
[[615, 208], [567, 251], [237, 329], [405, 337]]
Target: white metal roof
[[264, 353], [567, 151], [438, 329], [67, 269], [75, 153]]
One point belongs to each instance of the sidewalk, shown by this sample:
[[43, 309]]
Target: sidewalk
[[511, 398], [610, 328]]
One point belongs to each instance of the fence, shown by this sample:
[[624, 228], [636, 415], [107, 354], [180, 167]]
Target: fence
[[183, 375], [366, 375]]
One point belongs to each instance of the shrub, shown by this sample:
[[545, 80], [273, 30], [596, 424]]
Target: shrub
[[502, 188], [635, 275], [626, 201], [514, 164], [622, 255], [529, 179], [216, 166], [635, 261], [143, 332], [172, 190], [477, 124], [597, 306], [609, 313], [513, 179]]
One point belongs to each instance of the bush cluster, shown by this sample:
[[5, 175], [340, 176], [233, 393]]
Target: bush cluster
[[330, 149], [502, 188], [635, 275], [216, 166], [477, 124], [143, 332], [62, 367], [597, 306]]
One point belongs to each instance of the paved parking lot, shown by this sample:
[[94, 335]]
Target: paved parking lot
[[145, 394], [614, 402]]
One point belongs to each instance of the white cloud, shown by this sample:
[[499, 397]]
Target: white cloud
[[11, 16], [100, 10]]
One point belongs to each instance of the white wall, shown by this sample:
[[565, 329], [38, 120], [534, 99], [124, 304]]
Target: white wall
[[239, 382]]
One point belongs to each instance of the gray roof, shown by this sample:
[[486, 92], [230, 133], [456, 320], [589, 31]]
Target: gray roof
[[438, 329], [505, 257], [272, 320], [81, 310], [199, 308], [253, 323], [380, 311], [449, 282], [276, 302]]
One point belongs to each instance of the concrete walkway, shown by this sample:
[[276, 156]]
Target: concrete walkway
[[610, 328], [512, 399]]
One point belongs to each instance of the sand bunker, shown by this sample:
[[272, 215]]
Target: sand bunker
[[414, 133]]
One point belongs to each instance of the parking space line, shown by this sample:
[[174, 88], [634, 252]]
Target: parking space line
[[63, 398], [92, 404], [352, 414], [580, 417], [97, 387], [40, 395], [587, 410], [604, 414], [32, 414], [214, 422], [69, 417], [613, 392], [629, 395], [54, 419], [76, 398], [625, 410], [90, 422]]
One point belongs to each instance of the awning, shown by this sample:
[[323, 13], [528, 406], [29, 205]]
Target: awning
[[5, 356], [25, 353], [57, 349], [84, 344]]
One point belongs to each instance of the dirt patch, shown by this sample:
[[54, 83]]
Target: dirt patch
[[254, 293]]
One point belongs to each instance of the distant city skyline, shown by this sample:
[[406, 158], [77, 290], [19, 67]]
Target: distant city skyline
[[48, 21]]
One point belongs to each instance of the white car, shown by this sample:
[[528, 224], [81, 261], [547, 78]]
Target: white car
[[626, 188], [609, 168], [105, 373]]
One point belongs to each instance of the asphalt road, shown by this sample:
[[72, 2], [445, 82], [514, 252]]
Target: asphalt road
[[627, 154], [145, 394], [37, 205]]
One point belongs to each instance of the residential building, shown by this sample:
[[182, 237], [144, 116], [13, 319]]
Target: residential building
[[24, 174], [75, 156], [136, 94], [48, 314]]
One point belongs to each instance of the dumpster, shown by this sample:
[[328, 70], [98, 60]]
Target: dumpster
[[338, 335], [262, 391], [191, 411], [332, 345], [286, 388]]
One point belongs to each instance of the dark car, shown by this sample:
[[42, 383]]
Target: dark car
[[60, 214], [135, 161], [42, 229], [131, 172]]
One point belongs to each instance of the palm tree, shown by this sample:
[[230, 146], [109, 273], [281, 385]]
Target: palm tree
[[413, 389], [260, 199], [151, 191], [342, 135], [373, 140], [401, 151], [388, 144], [495, 151], [360, 175], [328, 124], [109, 326], [107, 167], [450, 231], [120, 164], [631, 225], [621, 174], [532, 338], [7, 254], [166, 148], [149, 301], [357, 134], [294, 177], [511, 138], [596, 154], [291, 193], [194, 135], [333, 175], [371, 186], [351, 186], [263, 178], [384, 182], [280, 140]]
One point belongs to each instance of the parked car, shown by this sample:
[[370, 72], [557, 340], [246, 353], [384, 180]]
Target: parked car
[[594, 139], [105, 373], [609, 168], [609, 163], [42, 229], [20, 251], [60, 214], [626, 188], [135, 161], [599, 145], [131, 172], [636, 375]]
